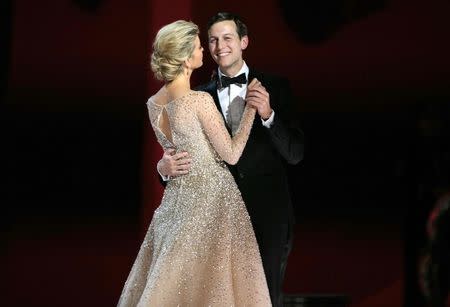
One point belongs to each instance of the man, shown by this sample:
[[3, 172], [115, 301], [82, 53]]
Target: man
[[275, 141]]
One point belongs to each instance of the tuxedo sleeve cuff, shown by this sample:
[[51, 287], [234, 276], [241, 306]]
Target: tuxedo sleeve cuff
[[268, 122], [164, 178]]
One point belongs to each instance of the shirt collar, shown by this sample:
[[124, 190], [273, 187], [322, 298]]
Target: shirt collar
[[244, 69]]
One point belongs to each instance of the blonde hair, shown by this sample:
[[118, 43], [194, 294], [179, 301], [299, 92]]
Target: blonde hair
[[173, 44]]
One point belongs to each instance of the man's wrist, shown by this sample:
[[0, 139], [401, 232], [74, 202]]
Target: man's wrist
[[158, 168], [269, 121], [265, 118]]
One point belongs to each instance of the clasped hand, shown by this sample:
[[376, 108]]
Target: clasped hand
[[258, 98]]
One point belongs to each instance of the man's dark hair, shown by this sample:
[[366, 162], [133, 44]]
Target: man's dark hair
[[241, 28]]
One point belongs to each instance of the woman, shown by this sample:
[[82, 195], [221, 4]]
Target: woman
[[200, 248]]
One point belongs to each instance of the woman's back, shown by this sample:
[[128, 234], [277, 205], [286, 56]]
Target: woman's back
[[193, 124], [185, 130]]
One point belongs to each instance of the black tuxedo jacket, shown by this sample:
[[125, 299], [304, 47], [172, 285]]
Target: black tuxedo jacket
[[261, 171]]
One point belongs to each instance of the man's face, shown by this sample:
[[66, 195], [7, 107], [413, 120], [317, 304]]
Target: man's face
[[226, 47]]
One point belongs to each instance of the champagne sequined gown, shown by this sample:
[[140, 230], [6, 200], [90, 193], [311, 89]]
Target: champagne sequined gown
[[200, 248]]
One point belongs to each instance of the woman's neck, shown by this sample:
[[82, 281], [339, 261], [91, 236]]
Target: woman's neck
[[178, 87]]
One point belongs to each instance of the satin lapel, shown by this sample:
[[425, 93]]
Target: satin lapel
[[251, 76]]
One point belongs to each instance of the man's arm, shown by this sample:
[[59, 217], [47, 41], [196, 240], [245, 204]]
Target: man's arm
[[281, 124]]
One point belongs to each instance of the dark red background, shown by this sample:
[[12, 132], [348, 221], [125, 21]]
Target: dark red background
[[80, 154]]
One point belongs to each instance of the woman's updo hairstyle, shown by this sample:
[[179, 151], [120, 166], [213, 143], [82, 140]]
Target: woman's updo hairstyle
[[173, 44]]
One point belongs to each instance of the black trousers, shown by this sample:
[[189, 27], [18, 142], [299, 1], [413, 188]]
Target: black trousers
[[275, 244]]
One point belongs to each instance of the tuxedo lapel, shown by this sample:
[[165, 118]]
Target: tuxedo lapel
[[216, 100], [252, 75]]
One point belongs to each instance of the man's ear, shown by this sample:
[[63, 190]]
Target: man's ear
[[244, 42]]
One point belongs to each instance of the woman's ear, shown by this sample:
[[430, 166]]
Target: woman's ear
[[187, 63]]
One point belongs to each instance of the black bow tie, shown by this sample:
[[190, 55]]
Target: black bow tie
[[226, 81]]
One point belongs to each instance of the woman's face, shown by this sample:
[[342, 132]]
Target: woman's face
[[196, 59]]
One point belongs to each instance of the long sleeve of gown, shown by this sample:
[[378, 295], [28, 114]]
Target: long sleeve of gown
[[229, 148]]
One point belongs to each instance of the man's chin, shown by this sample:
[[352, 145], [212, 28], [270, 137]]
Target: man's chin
[[223, 64], [221, 60]]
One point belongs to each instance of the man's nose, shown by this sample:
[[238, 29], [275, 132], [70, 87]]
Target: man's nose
[[220, 43]]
